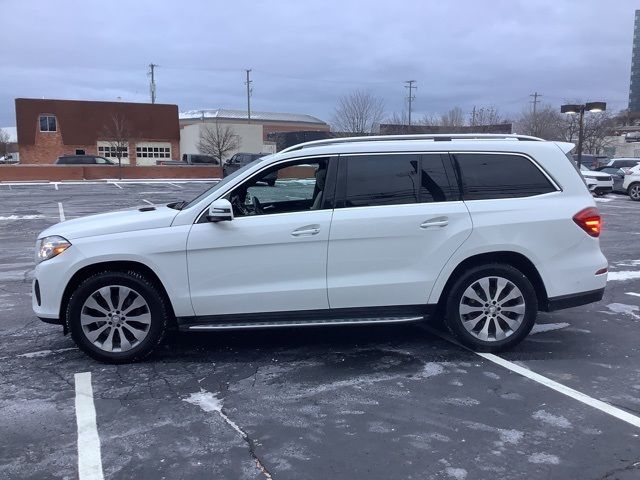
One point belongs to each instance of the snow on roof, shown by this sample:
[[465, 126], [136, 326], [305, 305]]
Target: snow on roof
[[13, 133], [242, 115]]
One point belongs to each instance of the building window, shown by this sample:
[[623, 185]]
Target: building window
[[48, 123], [148, 151], [110, 151], [80, 151]]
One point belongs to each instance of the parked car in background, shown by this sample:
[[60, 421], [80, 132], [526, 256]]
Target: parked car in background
[[598, 183], [624, 163], [592, 161], [198, 159], [631, 184], [239, 160], [83, 160], [617, 175], [388, 231], [10, 158]]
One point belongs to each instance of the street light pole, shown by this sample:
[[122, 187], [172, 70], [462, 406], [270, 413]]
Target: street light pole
[[573, 109]]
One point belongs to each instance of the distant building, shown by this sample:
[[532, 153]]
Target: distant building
[[254, 135], [48, 129], [634, 85]]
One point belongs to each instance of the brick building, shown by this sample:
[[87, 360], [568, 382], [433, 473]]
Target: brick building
[[48, 129]]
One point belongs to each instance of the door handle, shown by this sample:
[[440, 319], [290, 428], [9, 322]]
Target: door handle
[[307, 230], [435, 222]]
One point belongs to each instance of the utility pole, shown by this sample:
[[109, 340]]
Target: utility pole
[[248, 84], [152, 86], [411, 97], [535, 101], [473, 116]]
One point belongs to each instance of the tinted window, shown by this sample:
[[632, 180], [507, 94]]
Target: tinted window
[[437, 181], [382, 180], [500, 176]]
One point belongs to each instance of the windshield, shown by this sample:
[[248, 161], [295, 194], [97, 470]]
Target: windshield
[[223, 182]]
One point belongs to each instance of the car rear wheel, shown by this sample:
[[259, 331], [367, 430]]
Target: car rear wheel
[[634, 192], [491, 307], [117, 317]]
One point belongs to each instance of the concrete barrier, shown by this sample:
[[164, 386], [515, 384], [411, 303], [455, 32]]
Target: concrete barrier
[[57, 173]]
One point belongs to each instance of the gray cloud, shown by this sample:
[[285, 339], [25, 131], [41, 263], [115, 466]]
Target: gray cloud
[[306, 54]]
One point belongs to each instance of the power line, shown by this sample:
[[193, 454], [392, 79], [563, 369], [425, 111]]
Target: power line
[[411, 97], [152, 85], [249, 90], [535, 101]]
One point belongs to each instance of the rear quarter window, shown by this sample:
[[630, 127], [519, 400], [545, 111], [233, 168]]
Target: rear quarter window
[[491, 176]]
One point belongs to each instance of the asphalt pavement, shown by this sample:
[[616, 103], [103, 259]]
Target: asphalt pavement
[[370, 402]]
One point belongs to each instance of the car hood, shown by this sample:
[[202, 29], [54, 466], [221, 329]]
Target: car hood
[[139, 218]]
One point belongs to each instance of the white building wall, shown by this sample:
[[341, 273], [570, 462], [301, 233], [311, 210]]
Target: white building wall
[[622, 147], [250, 137]]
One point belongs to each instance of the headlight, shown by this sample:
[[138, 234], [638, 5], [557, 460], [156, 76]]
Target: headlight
[[49, 247]]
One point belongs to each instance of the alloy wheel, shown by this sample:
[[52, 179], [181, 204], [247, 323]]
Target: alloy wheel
[[492, 308], [634, 192], [115, 318]]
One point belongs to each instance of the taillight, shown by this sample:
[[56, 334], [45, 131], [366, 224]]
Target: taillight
[[589, 220]]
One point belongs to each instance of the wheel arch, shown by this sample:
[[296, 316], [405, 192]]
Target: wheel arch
[[113, 266], [514, 259]]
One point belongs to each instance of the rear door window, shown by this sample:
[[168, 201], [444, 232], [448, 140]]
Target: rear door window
[[397, 179], [492, 175]]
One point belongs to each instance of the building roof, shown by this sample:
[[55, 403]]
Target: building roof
[[81, 122], [226, 114], [13, 133]]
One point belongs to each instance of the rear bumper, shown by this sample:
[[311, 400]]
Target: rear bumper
[[574, 299], [602, 190]]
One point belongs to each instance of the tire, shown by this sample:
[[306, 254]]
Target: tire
[[134, 331], [508, 313], [634, 191]]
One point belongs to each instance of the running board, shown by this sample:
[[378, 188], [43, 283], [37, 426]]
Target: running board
[[303, 323]]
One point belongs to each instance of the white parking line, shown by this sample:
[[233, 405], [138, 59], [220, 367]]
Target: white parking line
[[177, 186], [634, 294], [547, 382], [89, 458], [61, 212], [114, 183], [55, 185], [558, 387], [147, 201]]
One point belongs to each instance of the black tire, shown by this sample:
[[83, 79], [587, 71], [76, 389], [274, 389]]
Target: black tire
[[158, 309], [634, 191], [453, 318]]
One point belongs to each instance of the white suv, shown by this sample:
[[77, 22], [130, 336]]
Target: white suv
[[482, 230]]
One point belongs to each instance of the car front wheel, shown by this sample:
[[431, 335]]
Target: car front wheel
[[491, 307], [634, 192], [117, 317]]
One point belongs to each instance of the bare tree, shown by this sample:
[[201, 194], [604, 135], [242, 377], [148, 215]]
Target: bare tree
[[453, 118], [117, 133], [484, 116], [218, 140], [547, 123], [4, 143], [358, 113]]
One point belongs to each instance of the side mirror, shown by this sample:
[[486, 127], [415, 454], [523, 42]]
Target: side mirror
[[220, 211]]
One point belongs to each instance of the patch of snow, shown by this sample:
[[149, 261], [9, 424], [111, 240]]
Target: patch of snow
[[495, 376], [431, 369], [602, 199], [510, 436], [628, 263], [44, 353], [457, 473], [623, 275], [544, 458], [462, 402], [547, 327], [456, 382], [624, 309], [209, 402], [21, 217], [555, 420]]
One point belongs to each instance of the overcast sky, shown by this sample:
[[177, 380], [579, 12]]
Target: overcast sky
[[305, 54]]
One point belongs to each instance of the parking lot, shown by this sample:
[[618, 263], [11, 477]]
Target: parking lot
[[377, 402]]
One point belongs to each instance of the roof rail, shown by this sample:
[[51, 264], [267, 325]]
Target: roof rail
[[437, 137]]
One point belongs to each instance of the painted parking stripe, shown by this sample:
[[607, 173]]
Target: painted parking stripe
[[89, 458], [547, 382], [61, 212], [114, 183], [55, 185], [175, 185], [558, 387], [633, 294], [147, 201]]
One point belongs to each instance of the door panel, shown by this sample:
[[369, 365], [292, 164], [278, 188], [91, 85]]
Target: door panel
[[392, 255], [262, 263]]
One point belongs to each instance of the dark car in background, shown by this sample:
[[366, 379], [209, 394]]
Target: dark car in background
[[592, 162], [239, 160], [83, 160]]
